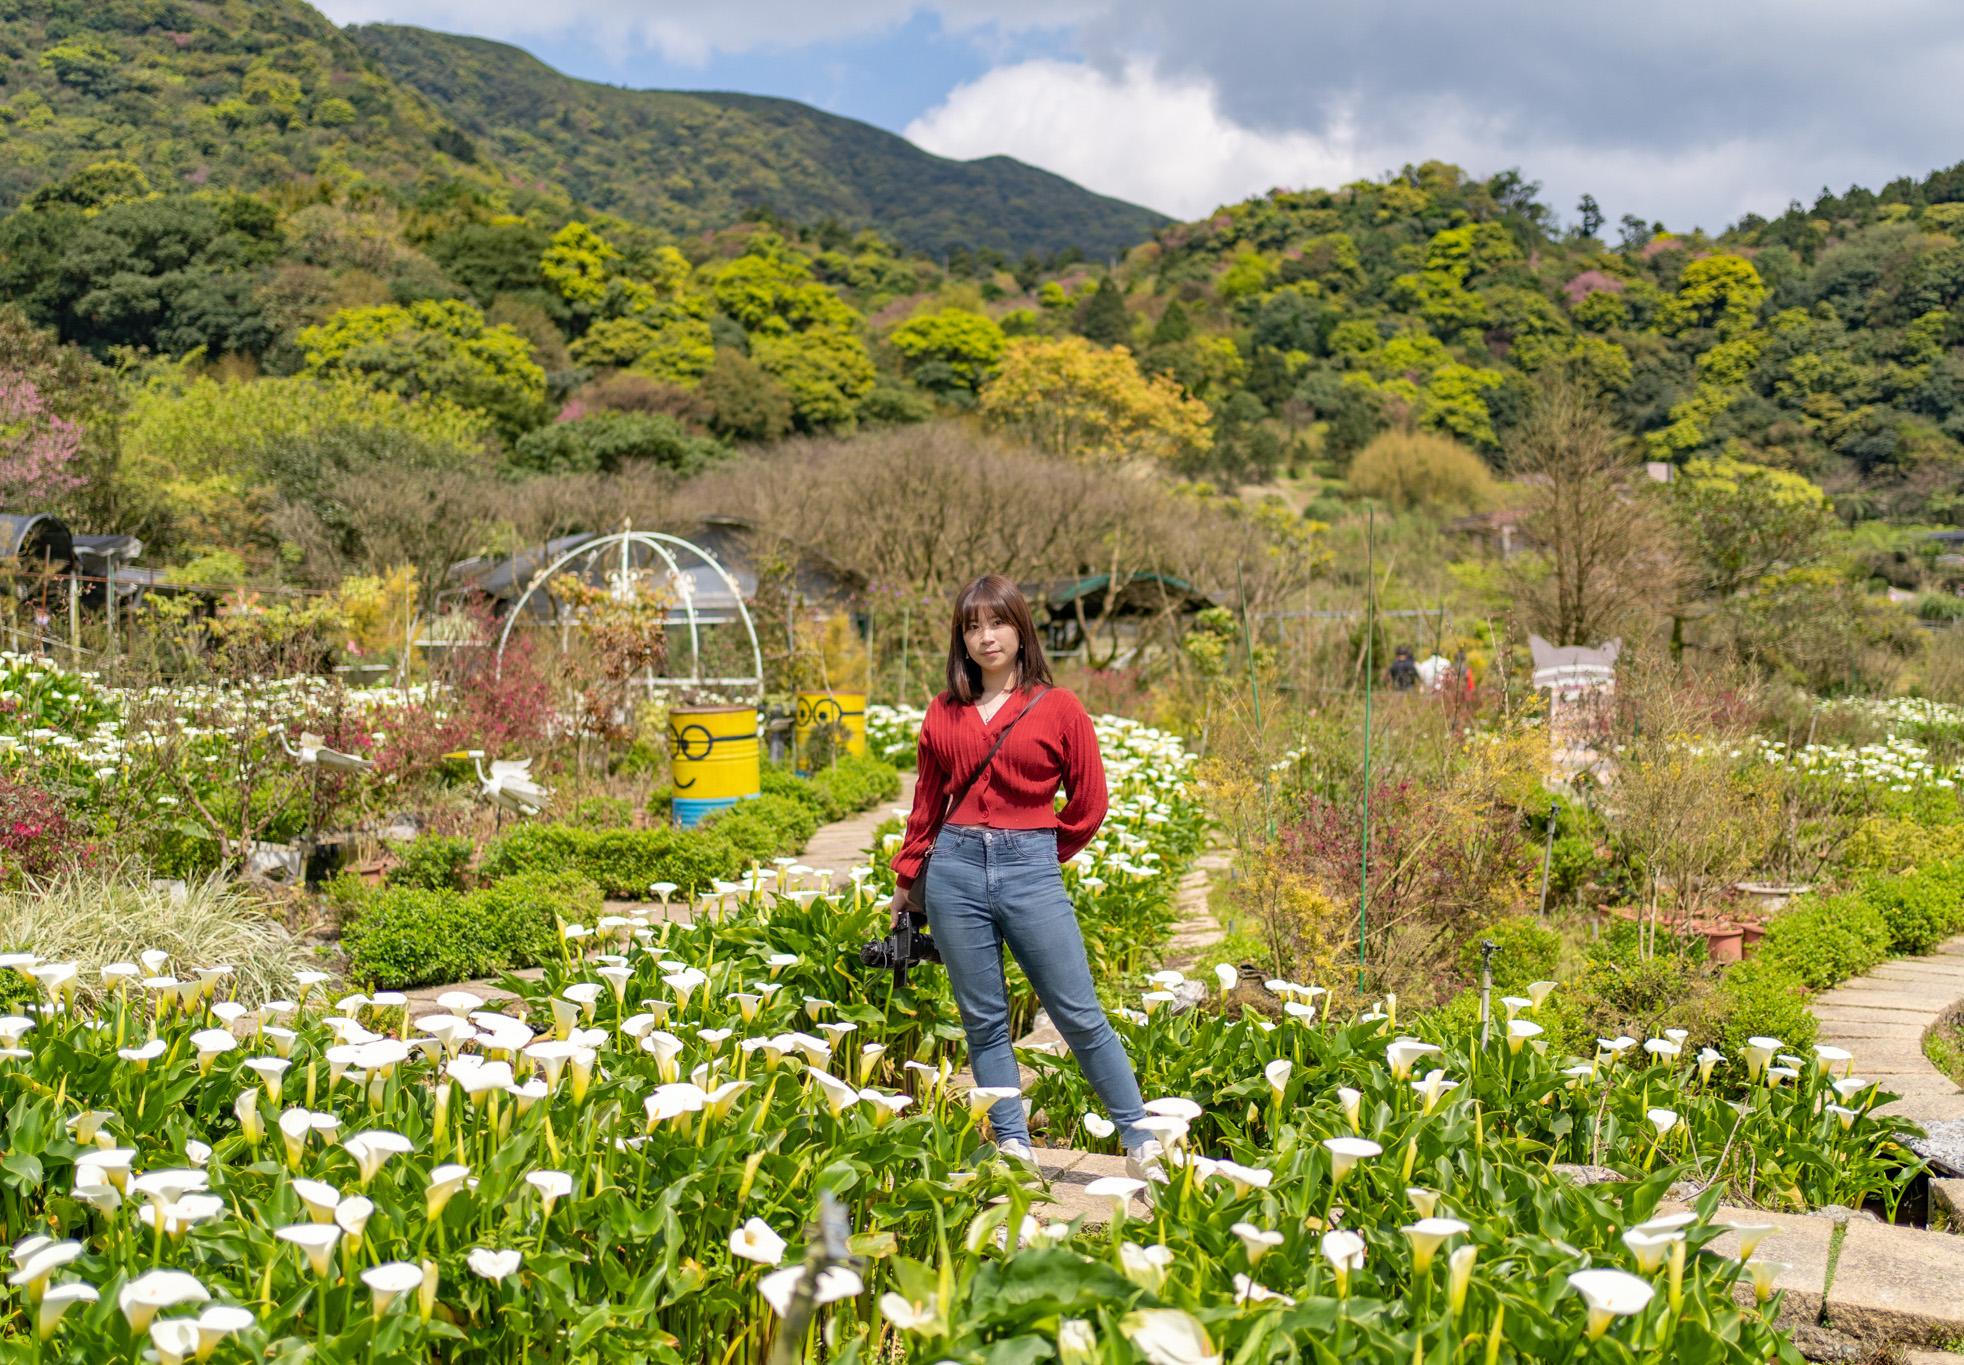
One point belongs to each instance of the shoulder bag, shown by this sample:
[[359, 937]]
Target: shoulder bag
[[917, 891]]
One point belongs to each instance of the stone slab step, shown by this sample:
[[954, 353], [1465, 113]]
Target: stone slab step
[[1895, 996], [422, 1001], [1926, 1108], [1856, 1036], [1900, 1285], [1800, 1243], [1069, 1172], [1947, 1205], [1919, 969]]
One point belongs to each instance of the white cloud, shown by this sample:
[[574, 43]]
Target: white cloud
[[1159, 142], [693, 34], [1168, 141]]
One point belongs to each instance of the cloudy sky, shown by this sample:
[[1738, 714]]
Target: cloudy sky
[[1692, 112]]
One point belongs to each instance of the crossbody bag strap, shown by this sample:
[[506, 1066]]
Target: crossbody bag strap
[[961, 792]]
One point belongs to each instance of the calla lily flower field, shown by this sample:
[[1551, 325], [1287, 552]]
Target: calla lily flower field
[[627, 1163]]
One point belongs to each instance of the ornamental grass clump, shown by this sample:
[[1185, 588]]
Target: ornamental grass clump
[[100, 916]]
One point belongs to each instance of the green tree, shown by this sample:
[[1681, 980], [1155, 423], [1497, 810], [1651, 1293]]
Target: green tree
[[166, 274], [1720, 291], [1822, 632], [679, 351], [745, 402], [1102, 317], [1588, 216], [1173, 325], [1743, 521], [824, 373], [577, 263], [441, 348], [1071, 397], [96, 185], [85, 64], [1408, 469], [602, 442], [491, 259], [205, 462], [774, 295], [963, 346]]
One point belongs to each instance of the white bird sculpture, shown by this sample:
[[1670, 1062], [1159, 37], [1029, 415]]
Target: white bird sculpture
[[314, 753], [509, 784]]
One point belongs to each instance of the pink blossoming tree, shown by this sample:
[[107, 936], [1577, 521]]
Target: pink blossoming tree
[[37, 448]]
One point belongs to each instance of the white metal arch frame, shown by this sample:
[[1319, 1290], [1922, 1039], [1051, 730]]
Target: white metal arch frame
[[624, 543]]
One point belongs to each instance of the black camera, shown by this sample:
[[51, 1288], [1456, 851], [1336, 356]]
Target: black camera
[[910, 945]]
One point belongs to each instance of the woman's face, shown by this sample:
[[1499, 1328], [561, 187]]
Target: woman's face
[[991, 640]]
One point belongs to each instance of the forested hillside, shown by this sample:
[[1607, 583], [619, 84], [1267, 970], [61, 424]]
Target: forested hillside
[[235, 93], [265, 94], [1827, 341], [686, 162]]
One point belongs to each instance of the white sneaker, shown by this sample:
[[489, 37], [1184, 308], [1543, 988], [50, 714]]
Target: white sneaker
[[1143, 1163], [1018, 1151]]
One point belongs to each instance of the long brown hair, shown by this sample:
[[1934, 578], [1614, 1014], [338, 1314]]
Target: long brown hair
[[992, 593]]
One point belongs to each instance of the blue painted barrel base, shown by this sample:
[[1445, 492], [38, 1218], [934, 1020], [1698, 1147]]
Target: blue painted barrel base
[[690, 810]]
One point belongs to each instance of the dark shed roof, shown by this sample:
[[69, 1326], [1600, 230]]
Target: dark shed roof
[[36, 536]]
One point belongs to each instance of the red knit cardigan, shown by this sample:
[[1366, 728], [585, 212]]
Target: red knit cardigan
[[1054, 748]]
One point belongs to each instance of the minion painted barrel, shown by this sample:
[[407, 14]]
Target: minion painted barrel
[[821, 710], [713, 754]]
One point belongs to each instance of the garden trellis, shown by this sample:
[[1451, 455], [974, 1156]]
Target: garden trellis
[[705, 596]]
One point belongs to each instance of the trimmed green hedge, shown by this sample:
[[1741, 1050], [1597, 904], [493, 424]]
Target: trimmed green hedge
[[413, 936], [432, 862], [1527, 951], [853, 784], [422, 929], [1922, 908], [1757, 998], [624, 863], [1825, 940], [770, 825], [603, 812]]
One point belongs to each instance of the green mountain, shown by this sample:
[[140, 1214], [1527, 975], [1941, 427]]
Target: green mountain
[[100, 98], [689, 162], [229, 93]]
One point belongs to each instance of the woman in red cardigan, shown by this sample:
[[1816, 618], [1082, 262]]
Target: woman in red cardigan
[[996, 876]]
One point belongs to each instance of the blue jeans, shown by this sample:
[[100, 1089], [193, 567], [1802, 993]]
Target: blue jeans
[[986, 887]]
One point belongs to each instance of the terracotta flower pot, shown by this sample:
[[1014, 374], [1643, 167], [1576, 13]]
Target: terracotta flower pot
[[1724, 942]]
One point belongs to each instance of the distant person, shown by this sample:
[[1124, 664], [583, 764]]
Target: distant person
[[1404, 671]]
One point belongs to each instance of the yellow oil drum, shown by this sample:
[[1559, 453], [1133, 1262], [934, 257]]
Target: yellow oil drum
[[819, 710], [713, 754]]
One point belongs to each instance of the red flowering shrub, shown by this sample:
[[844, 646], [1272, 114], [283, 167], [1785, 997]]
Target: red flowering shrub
[[1446, 859], [37, 838], [505, 711]]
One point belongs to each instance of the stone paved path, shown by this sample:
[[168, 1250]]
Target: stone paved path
[[1881, 1017], [845, 842], [1197, 930]]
